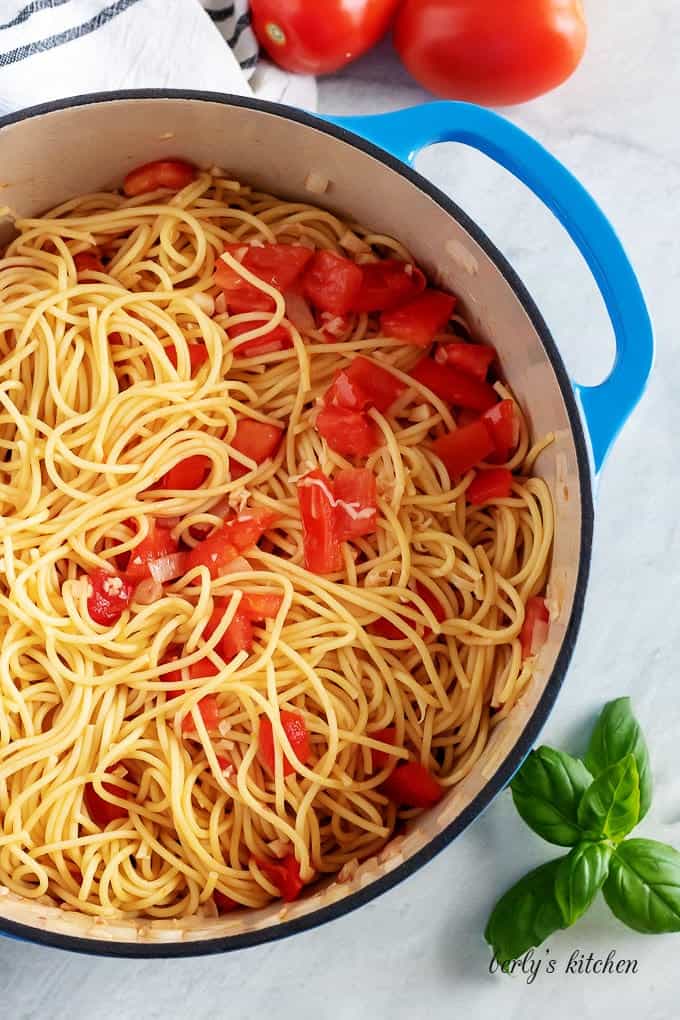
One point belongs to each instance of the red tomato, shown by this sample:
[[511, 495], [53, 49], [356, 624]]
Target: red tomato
[[379, 759], [356, 503], [295, 729], [472, 359], [277, 339], [285, 875], [319, 531], [103, 811], [387, 284], [385, 629], [495, 52], [463, 449], [334, 328], [157, 544], [309, 37], [412, 785], [535, 627], [260, 606], [453, 386], [238, 636], [198, 355], [189, 473], [332, 283], [88, 262], [110, 595], [207, 706], [163, 173], [232, 538], [223, 903], [254, 439], [364, 384], [493, 484], [432, 602], [419, 321], [349, 433], [279, 265], [503, 425]]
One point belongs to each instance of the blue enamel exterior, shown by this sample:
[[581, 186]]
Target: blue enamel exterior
[[404, 133]]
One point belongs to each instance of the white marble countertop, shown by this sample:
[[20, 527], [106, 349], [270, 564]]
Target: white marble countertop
[[418, 951]]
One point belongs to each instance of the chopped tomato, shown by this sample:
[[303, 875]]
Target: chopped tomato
[[453, 386], [432, 602], [231, 539], [224, 762], [279, 265], [240, 295], [88, 262], [207, 706], [387, 284], [158, 544], [334, 328], [472, 359], [285, 875], [174, 677], [110, 594], [102, 811], [356, 502], [320, 534], [295, 729], [278, 339], [223, 903], [379, 759], [385, 629], [238, 636], [260, 606], [534, 631], [255, 439], [463, 449], [363, 384], [332, 283], [412, 785], [198, 355], [503, 426], [203, 669], [349, 433], [493, 484], [347, 393], [464, 416], [419, 321], [163, 173], [189, 473]]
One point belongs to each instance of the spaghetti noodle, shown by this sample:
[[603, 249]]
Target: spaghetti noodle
[[183, 732]]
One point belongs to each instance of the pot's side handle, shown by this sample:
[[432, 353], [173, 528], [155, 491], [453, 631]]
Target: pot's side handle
[[405, 132]]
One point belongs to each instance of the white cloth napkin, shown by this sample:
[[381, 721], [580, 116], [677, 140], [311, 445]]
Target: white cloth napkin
[[51, 49]]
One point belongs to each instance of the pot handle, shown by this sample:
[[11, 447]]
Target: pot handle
[[404, 133]]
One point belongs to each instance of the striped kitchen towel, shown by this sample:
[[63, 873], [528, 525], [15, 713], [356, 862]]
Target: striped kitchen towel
[[51, 49]]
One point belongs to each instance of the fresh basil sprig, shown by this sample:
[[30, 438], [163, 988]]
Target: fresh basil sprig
[[590, 806]]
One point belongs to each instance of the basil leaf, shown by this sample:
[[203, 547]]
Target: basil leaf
[[643, 888], [616, 734], [547, 791], [610, 807], [525, 915], [579, 877]]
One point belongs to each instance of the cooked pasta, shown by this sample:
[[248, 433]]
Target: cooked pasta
[[237, 657]]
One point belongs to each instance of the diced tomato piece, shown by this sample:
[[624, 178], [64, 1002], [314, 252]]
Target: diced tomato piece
[[465, 416], [385, 629], [463, 449], [419, 321], [387, 284], [238, 636], [453, 386], [241, 296], [279, 265], [234, 537], [349, 433], [207, 706], [364, 384], [88, 262], [332, 283], [189, 473], [223, 903], [472, 359], [102, 811], [493, 484], [260, 606], [173, 677], [296, 731], [198, 355], [162, 173], [356, 500], [379, 759], [503, 426], [412, 785], [319, 528], [157, 544], [278, 339], [285, 875], [343, 392], [534, 631], [254, 439], [111, 594], [203, 669], [432, 602], [224, 762]]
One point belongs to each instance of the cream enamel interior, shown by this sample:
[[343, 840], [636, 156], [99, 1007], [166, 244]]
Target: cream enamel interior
[[50, 157]]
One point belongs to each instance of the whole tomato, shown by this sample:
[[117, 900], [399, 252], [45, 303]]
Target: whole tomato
[[494, 52], [319, 36]]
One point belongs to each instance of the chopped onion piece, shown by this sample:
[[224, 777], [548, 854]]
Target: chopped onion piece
[[168, 567], [316, 182], [221, 303], [205, 302], [148, 591], [236, 566], [299, 312]]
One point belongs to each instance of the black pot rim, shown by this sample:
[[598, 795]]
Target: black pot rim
[[503, 775]]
